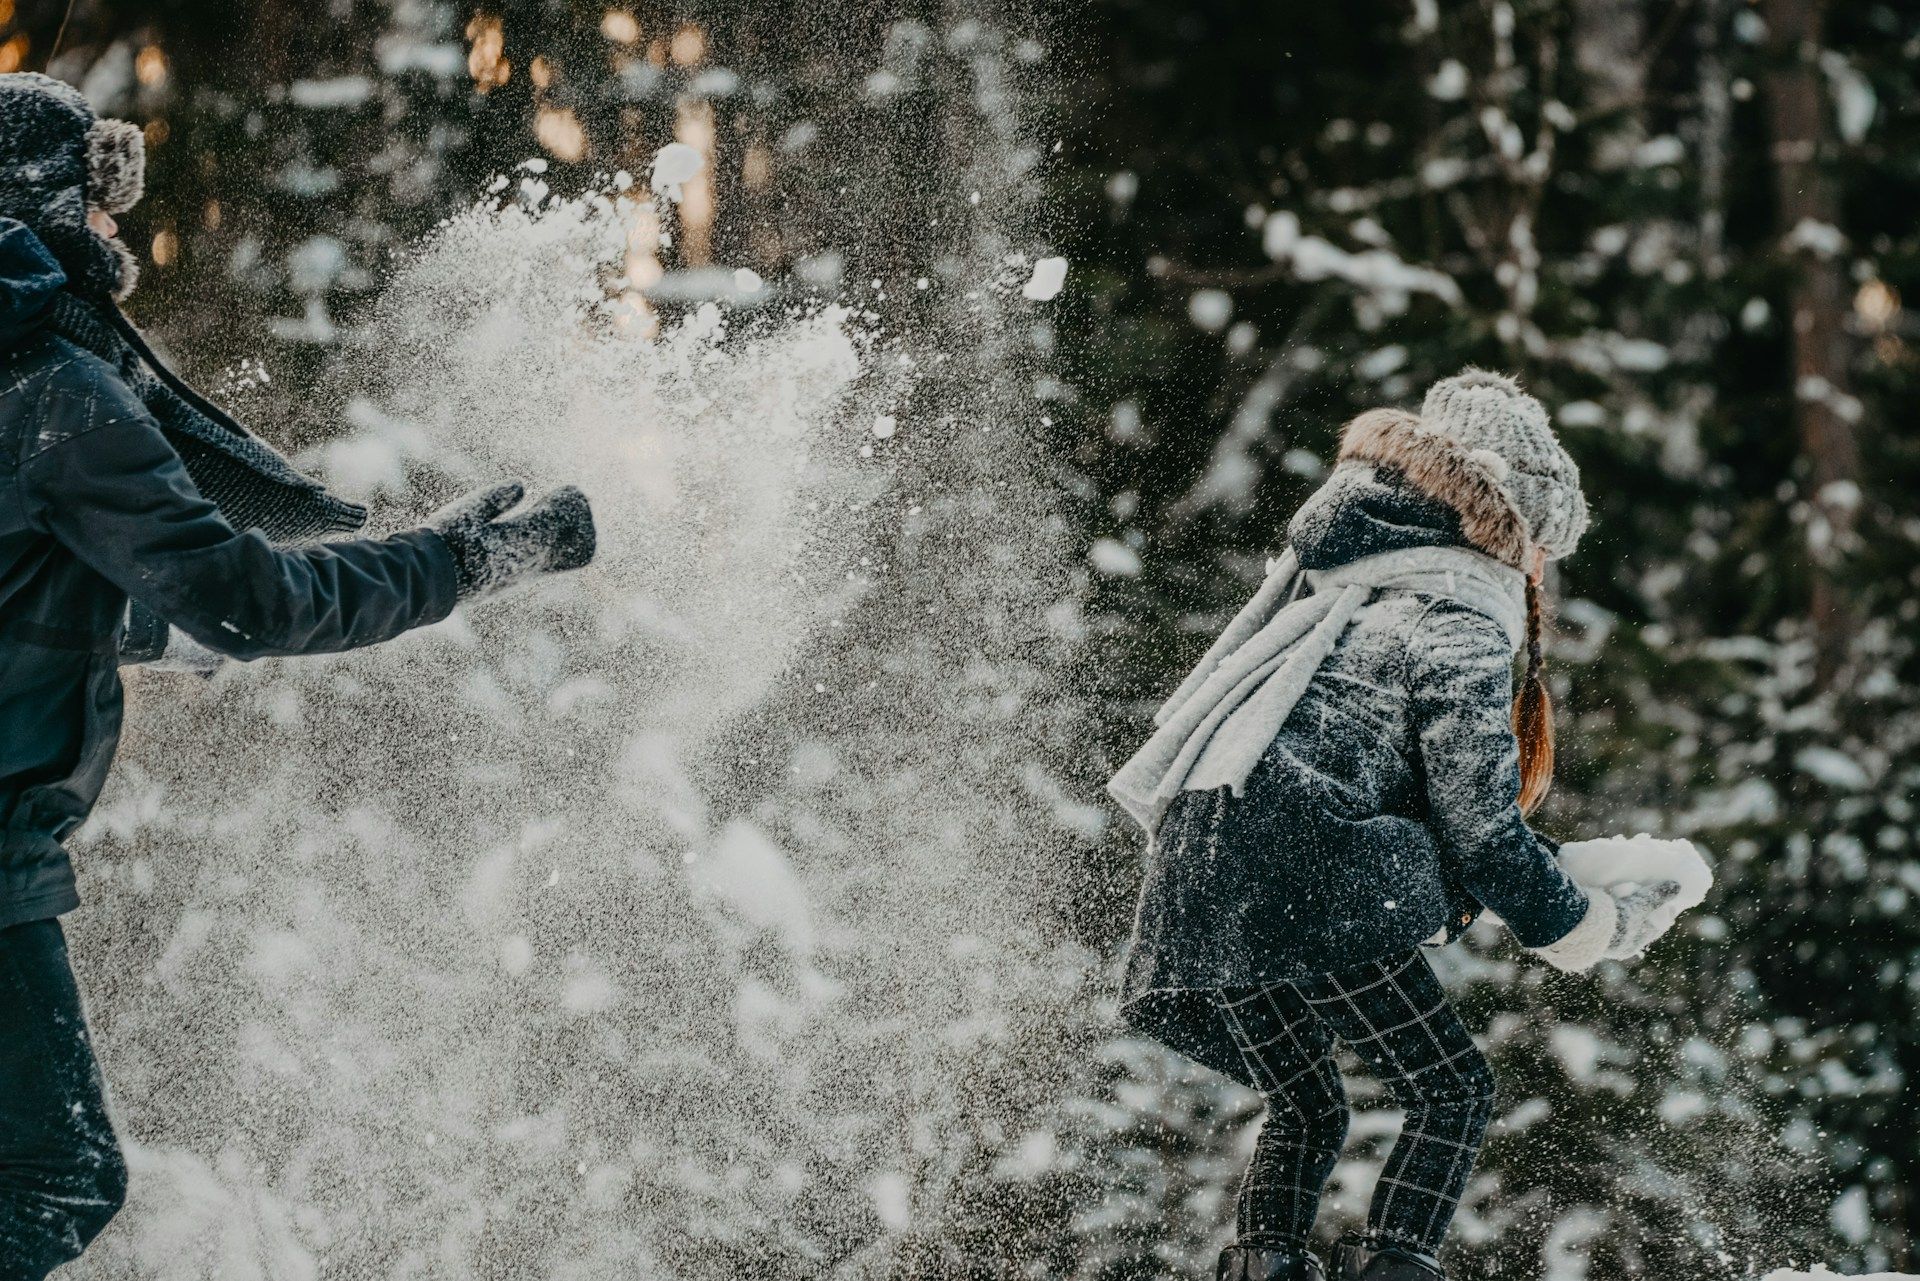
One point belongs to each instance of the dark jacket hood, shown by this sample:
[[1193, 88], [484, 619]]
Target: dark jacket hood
[[1364, 510], [30, 276]]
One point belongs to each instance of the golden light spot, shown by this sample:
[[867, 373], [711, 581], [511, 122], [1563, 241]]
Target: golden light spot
[[695, 128], [657, 53], [1876, 303], [210, 216], [643, 249], [13, 54], [689, 45], [756, 167], [6, 10], [620, 26], [150, 67], [157, 132], [559, 131], [166, 247], [540, 71], [486, 60]]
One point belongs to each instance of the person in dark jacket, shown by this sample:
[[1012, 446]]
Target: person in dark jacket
[[119, 484], [1339, 784]]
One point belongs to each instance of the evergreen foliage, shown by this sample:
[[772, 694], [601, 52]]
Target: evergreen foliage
[[1276, 215]]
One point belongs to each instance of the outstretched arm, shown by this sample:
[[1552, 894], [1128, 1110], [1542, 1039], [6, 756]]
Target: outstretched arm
[[1461, 678], [105, 482]]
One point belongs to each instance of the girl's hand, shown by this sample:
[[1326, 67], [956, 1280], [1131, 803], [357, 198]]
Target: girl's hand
[[1641, 919]]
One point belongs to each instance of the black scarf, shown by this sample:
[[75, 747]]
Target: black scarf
[[252, 485]]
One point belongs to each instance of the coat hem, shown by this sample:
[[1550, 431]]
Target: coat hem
[[38, 907]]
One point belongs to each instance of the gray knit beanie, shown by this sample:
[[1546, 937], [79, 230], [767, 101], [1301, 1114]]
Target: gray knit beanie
[[1508, 433]]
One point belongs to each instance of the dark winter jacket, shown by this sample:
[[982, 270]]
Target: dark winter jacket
[[1382, 816], [96, 507]]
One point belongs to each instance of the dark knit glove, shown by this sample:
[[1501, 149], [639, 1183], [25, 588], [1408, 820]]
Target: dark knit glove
[[492, 551]]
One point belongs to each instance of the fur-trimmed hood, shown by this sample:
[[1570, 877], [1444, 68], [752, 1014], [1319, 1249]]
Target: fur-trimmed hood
[[57, 161], [1467, 481], [1364, 510]]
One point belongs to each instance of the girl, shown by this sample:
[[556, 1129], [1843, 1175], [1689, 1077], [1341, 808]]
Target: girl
[[1342, 781]]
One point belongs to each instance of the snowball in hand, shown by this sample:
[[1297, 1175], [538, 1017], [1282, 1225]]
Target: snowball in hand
[[674, 164], [1049, 274], [1618, 864]]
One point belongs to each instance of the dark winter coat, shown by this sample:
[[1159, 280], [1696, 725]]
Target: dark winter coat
[[1382, 816], [96, 507]]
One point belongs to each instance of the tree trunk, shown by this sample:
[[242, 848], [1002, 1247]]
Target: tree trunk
[[1824, 411]]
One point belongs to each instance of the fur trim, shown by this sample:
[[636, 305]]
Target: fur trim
[[126, 269], [1439, 468], [1586, 943], [116, 165]]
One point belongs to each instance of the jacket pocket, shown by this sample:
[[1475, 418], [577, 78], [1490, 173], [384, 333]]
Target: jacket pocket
[[63, 713]]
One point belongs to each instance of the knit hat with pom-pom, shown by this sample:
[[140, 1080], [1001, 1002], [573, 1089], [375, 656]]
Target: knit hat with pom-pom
[[1484, 448], [1508, 433]]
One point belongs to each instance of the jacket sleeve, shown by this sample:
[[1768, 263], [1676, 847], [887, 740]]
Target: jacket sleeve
[[102, 479], [1461, 683]]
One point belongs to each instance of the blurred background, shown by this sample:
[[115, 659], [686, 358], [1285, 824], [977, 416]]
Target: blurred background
[[1689, 226]]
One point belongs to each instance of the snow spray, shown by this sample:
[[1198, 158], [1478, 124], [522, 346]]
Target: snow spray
[[675, 919]]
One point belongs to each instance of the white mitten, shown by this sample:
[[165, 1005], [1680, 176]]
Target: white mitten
[[1640, 918], [1586, 944]]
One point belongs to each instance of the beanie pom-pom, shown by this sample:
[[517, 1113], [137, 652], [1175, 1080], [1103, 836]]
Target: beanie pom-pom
[[1474, 376]]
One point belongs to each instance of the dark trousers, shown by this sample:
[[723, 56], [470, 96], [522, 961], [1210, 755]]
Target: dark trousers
[[61, 1173], [1394, 1015]]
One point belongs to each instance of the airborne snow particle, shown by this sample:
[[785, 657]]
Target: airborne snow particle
[[885, 425], [747, 281], [673, 165], [1210, 309], [1049, 274], [1114, 558]]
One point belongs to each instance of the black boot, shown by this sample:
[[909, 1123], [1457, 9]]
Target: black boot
[[1358, 1258], [1269, 1263]]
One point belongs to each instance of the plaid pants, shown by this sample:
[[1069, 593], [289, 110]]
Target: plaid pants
[[1395, 1017]]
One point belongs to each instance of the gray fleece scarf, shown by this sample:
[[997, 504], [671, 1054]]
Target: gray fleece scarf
[[1219, 723]]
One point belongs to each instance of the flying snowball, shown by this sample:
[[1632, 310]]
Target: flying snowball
[[673, 165], [1618, 862], [1049, 274], [885, 425], [747, 281]]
